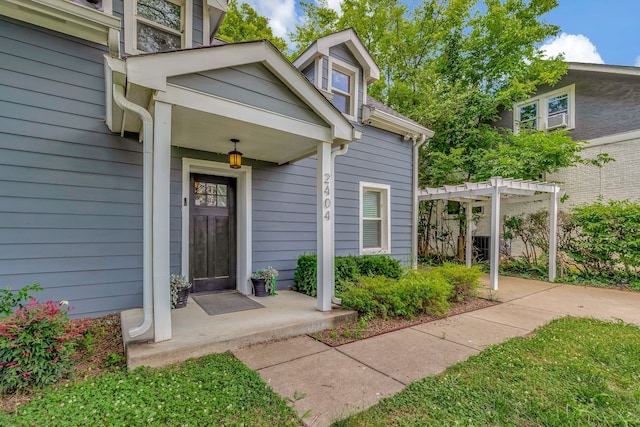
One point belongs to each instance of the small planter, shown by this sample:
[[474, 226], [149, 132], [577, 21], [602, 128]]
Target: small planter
[[183, 297], [259, 287]]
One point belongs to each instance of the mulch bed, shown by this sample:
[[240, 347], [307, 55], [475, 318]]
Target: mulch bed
[[354, 331]]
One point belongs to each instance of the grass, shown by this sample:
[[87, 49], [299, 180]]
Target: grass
[[212, 390], [572, 372]]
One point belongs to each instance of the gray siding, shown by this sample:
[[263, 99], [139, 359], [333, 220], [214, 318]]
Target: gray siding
[[606, 104], [197, 23], [70, 192], [252, 85]]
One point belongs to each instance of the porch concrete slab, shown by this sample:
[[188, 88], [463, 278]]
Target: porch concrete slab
[[334, 385], [196, 334], [260, 356], [512, 288], [470, 331], [408, 354], [583, 301], [515, 315]]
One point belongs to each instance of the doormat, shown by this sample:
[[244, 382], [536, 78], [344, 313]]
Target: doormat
[[225, 302]]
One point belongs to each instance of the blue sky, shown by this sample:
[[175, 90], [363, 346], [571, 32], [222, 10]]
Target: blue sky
[[597, 31]]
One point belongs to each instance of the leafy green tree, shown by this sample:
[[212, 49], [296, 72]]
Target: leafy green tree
[[243, 23]]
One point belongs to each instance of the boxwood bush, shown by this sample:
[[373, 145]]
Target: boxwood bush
[[463, 280], [347, 269]]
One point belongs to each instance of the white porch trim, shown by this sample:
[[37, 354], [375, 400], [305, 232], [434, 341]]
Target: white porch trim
[[243, 215], [325, 222]]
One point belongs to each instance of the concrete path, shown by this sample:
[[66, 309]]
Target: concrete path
[[328, 384]]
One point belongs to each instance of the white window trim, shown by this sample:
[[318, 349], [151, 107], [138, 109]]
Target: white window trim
[[243, 215], [355, 83], [385, 189], [541, 100], [131, 25]]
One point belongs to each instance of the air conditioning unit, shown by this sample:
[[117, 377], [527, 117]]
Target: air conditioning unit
[[557, 121]]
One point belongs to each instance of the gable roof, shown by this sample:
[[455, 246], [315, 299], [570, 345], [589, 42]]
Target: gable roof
[[350, 39]]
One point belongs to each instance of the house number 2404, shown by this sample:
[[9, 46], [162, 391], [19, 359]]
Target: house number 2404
[[327, 195]]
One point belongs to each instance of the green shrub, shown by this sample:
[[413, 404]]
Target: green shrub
[[464, 280], [10, 300], [379, 265], [347, 269], [305, 276], [414, 294], [37, 345]]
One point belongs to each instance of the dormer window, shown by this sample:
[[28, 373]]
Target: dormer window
[[343, 82], [157, 25]]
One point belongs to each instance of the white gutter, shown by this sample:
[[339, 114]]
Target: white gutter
[[414, 210], [341, 152], [147, 214]]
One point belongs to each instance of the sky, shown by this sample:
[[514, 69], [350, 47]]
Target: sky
[[593, 31]]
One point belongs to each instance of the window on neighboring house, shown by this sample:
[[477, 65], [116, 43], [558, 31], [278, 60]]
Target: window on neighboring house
[[553, 110], [156, 25], [343, 84], [374, 218]]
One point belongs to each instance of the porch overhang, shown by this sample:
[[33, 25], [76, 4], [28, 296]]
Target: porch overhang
[[204, 121]]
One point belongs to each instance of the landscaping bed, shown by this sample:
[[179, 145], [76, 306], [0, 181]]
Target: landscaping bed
[[354, 331]]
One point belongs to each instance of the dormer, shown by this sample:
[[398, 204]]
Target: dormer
[[342, 68]]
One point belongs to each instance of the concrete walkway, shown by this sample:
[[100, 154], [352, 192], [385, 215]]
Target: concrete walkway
[[332, 383]]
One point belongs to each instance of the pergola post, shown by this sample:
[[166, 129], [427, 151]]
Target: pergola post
[[495, 237], [553, 234], [325, 275], [468, 239]]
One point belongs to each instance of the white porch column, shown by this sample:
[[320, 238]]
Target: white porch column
[[553, 234], [325, 250], [161, 180], [495, 237], [468, 240]]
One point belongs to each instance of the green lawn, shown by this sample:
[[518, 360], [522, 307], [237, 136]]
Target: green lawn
[[216, 390], [572, 372]]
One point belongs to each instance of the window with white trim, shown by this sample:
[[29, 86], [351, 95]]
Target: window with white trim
[[157, 25], [549, 111], [375, 213], [343, 83]]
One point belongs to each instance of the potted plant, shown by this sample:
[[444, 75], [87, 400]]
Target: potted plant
[[264, 281], [180, 288]]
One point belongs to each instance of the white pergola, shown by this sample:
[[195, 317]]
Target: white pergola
[[472, 192]]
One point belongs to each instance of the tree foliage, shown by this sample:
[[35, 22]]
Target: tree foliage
[[452, 65], [243, 23]]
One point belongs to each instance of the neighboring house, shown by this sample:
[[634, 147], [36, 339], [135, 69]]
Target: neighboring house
[[114, 169]]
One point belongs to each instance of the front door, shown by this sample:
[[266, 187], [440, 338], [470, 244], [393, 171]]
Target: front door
[[212, 233]]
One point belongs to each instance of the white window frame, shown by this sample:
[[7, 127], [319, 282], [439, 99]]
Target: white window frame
[[385, 211], [352, 72], [542, 101], [131, 19]]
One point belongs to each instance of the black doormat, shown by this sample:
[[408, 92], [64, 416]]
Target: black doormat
[[225, 302]]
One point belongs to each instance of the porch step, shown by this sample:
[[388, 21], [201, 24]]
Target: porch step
[[196, 334]]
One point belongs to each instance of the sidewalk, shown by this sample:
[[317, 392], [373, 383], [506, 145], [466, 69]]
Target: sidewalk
[[336, 382]]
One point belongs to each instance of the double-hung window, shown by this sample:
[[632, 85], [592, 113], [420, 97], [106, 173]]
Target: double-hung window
[[552, 110], [343, 81], [157, 25], [375, 233]]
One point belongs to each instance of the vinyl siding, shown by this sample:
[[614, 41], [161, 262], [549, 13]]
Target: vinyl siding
[[70, 192]]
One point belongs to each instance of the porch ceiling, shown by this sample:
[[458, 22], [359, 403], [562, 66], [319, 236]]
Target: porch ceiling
[[207, 132]]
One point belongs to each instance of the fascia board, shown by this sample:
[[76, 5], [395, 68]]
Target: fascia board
[[388, 122]]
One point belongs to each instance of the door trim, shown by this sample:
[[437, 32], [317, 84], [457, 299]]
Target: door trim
[[243, 215]]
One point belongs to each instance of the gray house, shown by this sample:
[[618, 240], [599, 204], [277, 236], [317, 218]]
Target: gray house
[[116, 120]]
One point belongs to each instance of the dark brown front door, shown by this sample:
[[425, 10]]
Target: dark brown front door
[[212, 233]]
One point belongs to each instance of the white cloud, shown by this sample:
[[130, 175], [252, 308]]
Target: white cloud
[[575, 47], [333, 4], [637, 64], [281, 14]]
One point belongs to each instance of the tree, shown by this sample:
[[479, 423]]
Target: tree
[[243, 23]]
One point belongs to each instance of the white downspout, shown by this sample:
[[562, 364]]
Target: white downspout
[[414, 211], [341, 152], [147, 214]]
